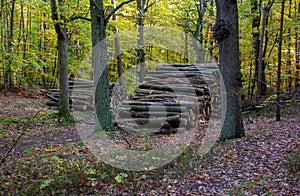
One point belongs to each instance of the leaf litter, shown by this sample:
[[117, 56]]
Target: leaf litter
[[51, 159]]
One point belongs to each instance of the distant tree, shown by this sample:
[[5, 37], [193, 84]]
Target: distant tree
[[226, 32], [256, 15], [279, 62], [142, 7], [261, 78], [193, 23], [118, 49], [297, 46]]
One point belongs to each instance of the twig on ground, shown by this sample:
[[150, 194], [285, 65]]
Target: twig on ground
[[18, 139]]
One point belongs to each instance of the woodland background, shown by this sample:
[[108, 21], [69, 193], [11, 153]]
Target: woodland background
[[29, 46], [41, 154]]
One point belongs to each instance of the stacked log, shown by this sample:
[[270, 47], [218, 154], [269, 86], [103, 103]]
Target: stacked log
[[170, 96], [81, 95]]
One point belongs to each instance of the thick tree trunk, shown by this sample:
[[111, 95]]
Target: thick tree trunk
[[62, 44], [226, 32], [100, 66]]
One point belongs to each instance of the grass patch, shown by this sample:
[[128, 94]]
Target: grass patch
[[238, 190], [2, 132], [28, 151], [292, 163], [9, 120]]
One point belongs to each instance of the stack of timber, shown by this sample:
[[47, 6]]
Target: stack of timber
[[81, 95], [171, 97]]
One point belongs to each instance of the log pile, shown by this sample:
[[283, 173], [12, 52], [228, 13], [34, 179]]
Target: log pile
[[172, 96], [81, 95]]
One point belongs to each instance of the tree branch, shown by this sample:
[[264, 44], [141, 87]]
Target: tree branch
[[108, 16], [150, 5], [58, 27], [79, 17]]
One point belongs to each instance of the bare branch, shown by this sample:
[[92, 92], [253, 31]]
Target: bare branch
[[108, 16], [79, 17], [150, 5]]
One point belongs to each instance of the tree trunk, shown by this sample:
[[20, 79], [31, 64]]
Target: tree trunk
[[62, 44], [279, 62], [260, 74], [141, 44], [227, 33], [4, 43], [198, 34], [118, 51], [297, 49], [289, 48], [100, 66], [255, 43], [10, 43]]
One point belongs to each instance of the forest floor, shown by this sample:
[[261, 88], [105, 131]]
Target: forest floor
[[51, 159]]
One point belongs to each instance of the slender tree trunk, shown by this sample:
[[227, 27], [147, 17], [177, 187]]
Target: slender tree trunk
[[227, 33], [4, 45], [141, 44], [45, 49], [118, 50], [289, 45], [297, 49], [260, 59], [279, 62], [186, 52], [10, 43], [255, 43], [62, 44], [198, 34]]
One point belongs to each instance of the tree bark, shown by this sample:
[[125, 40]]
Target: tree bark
[[118, 50], [255, 43], [260, 74], [100, 62], [100, 66], [297, 49], [279, 62], [226, 32], [10, 43], [4, 43], [289, 48], [62, 44], [141, 44]]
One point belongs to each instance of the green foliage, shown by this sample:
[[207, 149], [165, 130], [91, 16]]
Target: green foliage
[[120, 178], [32, 59], [2, 132], [9, 120], [292, 163], [28, 151], [238, 190]]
